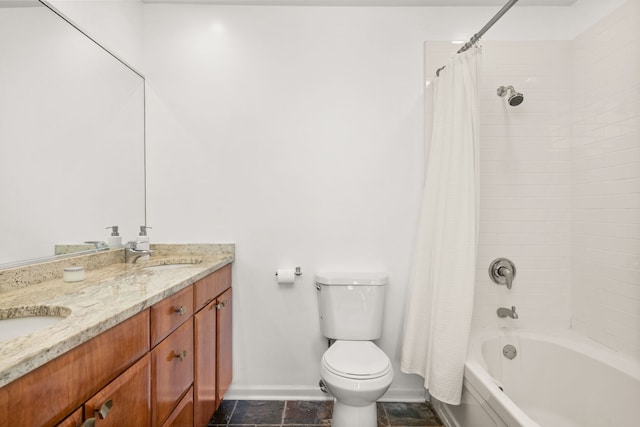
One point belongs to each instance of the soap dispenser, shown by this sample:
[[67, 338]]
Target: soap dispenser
[[115, 240], [143, 242]]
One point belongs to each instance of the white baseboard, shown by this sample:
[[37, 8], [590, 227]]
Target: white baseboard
[[275, 393], [311, 393], [404, 395]]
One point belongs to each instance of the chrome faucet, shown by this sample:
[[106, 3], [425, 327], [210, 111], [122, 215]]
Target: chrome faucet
[[507, 312], [132, 253]]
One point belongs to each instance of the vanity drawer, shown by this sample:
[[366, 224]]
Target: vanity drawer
[[211, 286], [124, 401], [170, 313], [171, 371], [183, 414], [73, 420]]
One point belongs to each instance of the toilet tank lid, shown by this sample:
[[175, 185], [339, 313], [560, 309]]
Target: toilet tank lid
[[353, 279]]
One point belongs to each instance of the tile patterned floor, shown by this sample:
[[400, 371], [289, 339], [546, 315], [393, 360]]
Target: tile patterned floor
[[294, 413]]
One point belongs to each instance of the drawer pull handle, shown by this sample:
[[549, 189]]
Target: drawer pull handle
[[221, 305], [182, 355], [104, 409], [181, 311], [91, 422]]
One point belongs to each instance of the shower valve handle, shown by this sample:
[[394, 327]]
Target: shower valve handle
[[502, 271]]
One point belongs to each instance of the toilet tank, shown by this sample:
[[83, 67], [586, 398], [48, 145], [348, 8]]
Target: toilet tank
[[351, 305]]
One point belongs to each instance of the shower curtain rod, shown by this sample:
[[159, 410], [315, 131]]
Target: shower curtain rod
[[474, 39]]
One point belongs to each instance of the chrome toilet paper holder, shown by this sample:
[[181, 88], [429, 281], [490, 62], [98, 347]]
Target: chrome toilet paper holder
[[297, 273]]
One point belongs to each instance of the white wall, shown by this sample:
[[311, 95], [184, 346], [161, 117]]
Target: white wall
[[606, 181], [115, 24], [298, 134]]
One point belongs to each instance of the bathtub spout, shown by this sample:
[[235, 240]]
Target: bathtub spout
[[507, 312]]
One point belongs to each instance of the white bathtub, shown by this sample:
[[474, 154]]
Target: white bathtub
[[557, 379]]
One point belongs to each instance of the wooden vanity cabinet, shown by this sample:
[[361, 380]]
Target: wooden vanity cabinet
[[165, 367], [212, 343]]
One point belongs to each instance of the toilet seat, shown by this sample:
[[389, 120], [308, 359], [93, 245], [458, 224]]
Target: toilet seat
[[360, 360]]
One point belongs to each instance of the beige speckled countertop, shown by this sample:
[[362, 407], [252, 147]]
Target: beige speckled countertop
[[108, 295]]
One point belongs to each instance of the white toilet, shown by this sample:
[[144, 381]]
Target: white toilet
[[353, 369]]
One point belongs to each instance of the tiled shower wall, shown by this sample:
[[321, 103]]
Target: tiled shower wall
[[605, 184], [560, 180], [525, 180], [525, 183]]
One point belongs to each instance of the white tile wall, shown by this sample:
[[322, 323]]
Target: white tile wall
[[560, 180], [525, 181], [605, 183]]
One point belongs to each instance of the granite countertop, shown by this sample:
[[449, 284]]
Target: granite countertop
[[108, 295]]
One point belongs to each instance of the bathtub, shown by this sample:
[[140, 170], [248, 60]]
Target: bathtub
[[556, 379]]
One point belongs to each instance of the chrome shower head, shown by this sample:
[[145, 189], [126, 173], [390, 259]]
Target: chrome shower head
[[514, 98]]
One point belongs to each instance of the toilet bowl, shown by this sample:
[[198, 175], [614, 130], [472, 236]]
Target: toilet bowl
[[357, 374], [353, 369]]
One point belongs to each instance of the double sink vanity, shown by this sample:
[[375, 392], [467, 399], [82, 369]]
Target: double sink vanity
[[143, 344]]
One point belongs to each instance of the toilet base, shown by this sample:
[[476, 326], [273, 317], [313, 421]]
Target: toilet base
[[354, 416]]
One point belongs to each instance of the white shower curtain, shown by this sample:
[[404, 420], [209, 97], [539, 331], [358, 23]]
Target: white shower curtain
[[442, 282]]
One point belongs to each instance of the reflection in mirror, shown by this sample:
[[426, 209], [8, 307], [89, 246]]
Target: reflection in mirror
[[71, 136]]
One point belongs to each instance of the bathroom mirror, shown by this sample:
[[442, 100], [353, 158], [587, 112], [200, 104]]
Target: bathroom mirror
[[71, 136]]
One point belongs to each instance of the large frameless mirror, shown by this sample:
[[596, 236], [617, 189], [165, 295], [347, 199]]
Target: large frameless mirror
[[71, 136]]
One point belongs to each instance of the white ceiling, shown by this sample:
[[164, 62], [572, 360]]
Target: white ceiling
[[373, 2]]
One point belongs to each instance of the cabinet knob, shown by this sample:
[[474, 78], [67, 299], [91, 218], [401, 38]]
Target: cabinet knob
[[221, 305], [99, 414], [104, 409], [182, 355], [181, 311]]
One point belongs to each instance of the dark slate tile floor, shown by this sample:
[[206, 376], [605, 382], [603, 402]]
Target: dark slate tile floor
[[316, 413]]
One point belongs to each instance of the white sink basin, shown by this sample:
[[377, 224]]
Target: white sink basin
[[18, 322]]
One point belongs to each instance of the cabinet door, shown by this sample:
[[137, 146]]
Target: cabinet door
[[125, 401], [224, 342], [171, 371], [205, 364]]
